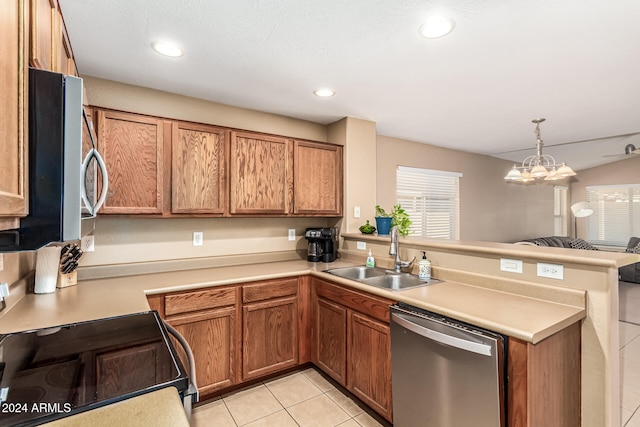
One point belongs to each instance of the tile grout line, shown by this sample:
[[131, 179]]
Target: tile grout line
[[281, 404]]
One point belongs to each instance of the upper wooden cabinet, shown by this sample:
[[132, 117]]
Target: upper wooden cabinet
[[44, 20], [174, 168], [260, 174], [50, 48], [317, 179], [198, 168], [66, 62], [132, 146], [14, 117]]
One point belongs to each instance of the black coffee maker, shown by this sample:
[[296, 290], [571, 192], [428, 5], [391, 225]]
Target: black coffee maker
[[323, 244]]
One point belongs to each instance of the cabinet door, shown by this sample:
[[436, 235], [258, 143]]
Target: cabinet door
[[270, 337], [14, 117], [132, 148], [198, 169], [317, 179], [330, 347], [44, 14], [212, 338], [369, 375], [66, 62], [260, 177]]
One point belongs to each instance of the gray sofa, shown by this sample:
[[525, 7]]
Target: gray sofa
[[628, 273], [631, 272]]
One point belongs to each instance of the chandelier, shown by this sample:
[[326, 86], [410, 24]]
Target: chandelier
[[539, 166]]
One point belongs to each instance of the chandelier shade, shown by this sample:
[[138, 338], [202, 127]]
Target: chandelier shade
[[539, 166]]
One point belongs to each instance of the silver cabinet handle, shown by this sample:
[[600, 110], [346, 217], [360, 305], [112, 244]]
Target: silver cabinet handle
[[440, 337]]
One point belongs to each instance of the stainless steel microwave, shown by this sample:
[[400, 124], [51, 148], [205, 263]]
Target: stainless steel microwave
[[64, 166]]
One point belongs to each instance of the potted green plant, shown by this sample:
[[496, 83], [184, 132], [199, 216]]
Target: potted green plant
[[398, 216]]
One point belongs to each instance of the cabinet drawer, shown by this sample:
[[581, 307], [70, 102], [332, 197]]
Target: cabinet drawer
[[199, 300], [270, 289], [374, 306]]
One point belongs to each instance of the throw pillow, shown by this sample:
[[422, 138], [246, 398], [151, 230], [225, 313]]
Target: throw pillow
[[581, 244], [634, 249]]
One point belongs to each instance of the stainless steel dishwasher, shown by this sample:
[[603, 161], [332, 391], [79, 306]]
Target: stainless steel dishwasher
[[445, 373]]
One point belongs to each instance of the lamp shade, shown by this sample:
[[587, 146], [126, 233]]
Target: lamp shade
[[581, 209]]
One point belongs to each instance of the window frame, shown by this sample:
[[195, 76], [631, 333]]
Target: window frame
[[438, 204]]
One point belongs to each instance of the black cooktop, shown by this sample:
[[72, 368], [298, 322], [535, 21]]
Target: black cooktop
[[51, 373]]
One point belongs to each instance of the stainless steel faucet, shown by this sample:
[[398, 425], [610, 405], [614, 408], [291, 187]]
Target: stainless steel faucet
[[395, 250]]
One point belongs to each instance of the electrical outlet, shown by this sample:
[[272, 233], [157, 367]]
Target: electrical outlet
[[361, 245], [511, 265], [292, 234], [356, 211], [198, 238], [551, 271], [87, 243]]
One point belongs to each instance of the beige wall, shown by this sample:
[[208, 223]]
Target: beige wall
[[490, 208], [626, 171], [16, 265], [136, 99], [137, 240], [359, 140]]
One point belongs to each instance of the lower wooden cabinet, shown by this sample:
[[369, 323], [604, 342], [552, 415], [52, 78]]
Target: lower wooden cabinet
[[352, 343], [243, 332], [544, 380], [269, 337], [212, 338], [208, 320], [330, 339], [369, 371]]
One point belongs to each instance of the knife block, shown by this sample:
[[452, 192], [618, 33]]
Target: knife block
[[69, 279]]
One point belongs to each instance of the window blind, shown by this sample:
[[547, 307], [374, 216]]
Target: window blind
[[616, 214], [431, 199]]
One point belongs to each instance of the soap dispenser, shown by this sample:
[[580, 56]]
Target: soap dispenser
[[424, 267], [370, 261]]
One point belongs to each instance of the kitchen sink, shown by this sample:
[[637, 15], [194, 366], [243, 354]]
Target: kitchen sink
[[381, 277], [357, 273]]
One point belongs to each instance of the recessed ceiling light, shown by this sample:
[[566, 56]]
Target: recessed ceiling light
[[436, 27], [323, 93], [167, 49]]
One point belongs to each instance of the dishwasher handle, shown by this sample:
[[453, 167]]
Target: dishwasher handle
[[460, 343]]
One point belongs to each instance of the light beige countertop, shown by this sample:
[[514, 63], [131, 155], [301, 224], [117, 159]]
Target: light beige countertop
[[162, 408], [524, 317]]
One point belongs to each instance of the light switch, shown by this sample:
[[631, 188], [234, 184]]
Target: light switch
[[198, 238], [511, 265]]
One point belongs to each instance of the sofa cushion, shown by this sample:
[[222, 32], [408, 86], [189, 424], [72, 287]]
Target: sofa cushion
[[581, 244], [631, 248], [553, 241]]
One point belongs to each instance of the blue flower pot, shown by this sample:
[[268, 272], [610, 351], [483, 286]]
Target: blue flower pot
[[383, 224]]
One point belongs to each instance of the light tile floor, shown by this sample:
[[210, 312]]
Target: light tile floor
[[304, 398], [630, 374], [307, 399]]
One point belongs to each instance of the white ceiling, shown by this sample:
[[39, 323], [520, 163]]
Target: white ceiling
[[574, 62]]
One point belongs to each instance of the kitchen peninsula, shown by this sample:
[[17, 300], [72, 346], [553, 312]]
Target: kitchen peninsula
[[527, 308]]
